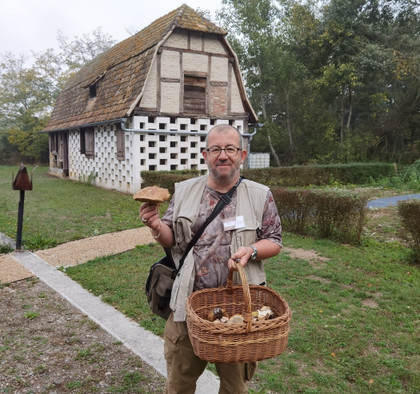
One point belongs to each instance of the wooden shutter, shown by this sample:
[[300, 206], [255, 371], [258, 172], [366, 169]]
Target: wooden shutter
[[194, 95], [89, 142], [120, 143]]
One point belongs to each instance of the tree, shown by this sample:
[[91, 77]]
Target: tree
[[28, 93], [81, 50], [252, 27]]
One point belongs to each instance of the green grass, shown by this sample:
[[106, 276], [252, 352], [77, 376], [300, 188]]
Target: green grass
[[355, 325], [120, 280], [60, 210]]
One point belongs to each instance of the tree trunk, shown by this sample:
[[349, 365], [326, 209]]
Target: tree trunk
[[288, 122], [273, 152], [342, 119], [350, 109]]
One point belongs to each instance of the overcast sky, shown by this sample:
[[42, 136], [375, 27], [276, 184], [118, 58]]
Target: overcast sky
[[32, 25]]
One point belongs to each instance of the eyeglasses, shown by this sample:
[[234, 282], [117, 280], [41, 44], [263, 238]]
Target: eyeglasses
[[230, 151]]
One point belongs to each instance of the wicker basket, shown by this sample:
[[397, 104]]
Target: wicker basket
[[243, 342]]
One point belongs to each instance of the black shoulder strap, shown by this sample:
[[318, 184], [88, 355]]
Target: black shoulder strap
[[224, 200]]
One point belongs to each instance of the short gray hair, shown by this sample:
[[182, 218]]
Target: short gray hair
[[224, 128]]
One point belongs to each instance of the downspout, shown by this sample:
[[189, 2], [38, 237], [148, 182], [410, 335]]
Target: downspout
[[249, 136]]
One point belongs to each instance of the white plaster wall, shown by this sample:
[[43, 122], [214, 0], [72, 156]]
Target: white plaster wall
[[149, 98], [104, 169], [195, 62], [219, 69], [213, 45], [159, 152], [177, 40], [196, 42], [169, 97], [236, 101], [259, 160], [143, 151], [170, 67]]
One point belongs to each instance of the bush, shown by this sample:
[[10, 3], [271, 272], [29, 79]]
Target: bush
[[411, 176], [166, 179], [409, 212], [319, 175], [294, 176], [339, 216]]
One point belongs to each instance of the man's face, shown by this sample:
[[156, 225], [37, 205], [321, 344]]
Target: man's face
[[224, 168]]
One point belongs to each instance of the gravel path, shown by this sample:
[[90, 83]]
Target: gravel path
[[77, 252]]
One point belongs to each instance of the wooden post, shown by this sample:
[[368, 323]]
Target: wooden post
[[21, 183], [20, 221]]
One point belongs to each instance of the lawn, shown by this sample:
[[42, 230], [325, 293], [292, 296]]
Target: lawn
[[355, 325], [60, 210]]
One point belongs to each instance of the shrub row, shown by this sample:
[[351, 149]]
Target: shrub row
[[339, 216], [302, 176], [409, 212], [295, 176], [166, 179]]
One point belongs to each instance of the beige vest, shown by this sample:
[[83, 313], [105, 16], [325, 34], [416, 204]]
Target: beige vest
[[251, 199]]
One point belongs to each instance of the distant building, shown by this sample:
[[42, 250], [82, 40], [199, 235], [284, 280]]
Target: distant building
[[148, 103]]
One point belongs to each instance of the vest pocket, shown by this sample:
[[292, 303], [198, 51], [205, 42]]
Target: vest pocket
[[182, 232]]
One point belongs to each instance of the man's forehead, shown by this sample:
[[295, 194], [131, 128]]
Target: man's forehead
[[223, 134]]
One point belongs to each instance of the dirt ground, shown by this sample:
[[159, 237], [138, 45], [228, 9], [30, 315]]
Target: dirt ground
[[48, 346]]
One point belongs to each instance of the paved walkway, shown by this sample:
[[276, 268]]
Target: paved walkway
[[391, 201], [143, 343]]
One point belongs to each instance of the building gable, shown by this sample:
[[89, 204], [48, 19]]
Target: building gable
[[119, 74]]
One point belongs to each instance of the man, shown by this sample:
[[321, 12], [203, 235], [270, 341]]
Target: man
[[248, 229]]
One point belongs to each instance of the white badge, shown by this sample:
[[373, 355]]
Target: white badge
[[233, 223]]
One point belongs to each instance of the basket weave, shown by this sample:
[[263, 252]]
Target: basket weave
[[243, 342]]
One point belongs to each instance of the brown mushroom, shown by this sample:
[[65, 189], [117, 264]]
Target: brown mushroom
[[152, 194]]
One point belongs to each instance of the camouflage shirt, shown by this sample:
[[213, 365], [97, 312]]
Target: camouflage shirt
[[212, 250]]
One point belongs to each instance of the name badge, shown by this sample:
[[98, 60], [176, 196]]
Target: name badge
[[233, 223]]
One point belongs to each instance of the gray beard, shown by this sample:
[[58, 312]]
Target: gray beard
[[224, 179]]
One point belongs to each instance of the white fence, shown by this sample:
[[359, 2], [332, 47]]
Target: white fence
[[259, 160]]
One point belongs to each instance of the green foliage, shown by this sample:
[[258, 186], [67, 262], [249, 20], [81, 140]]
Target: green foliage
[[411, 175], [4, 249], [409, 212], [86, 210], [167, 179], [336, 81], [28, 93], [294, 176], [31, 315], [336, 215]]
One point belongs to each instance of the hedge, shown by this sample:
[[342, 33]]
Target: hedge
[[319, 175], [336, 215], [409, 212]]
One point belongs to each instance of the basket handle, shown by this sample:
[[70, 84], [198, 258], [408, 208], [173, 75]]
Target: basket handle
[[247, 293]]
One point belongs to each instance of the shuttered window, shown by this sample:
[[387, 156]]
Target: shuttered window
[[120, 143], [87, 142], [194, 95]]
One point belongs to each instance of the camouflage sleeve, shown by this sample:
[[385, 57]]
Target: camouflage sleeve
[[271, 224], [167, 218]]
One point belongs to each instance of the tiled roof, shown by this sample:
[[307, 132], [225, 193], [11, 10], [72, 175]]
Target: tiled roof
[[121, 71]]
